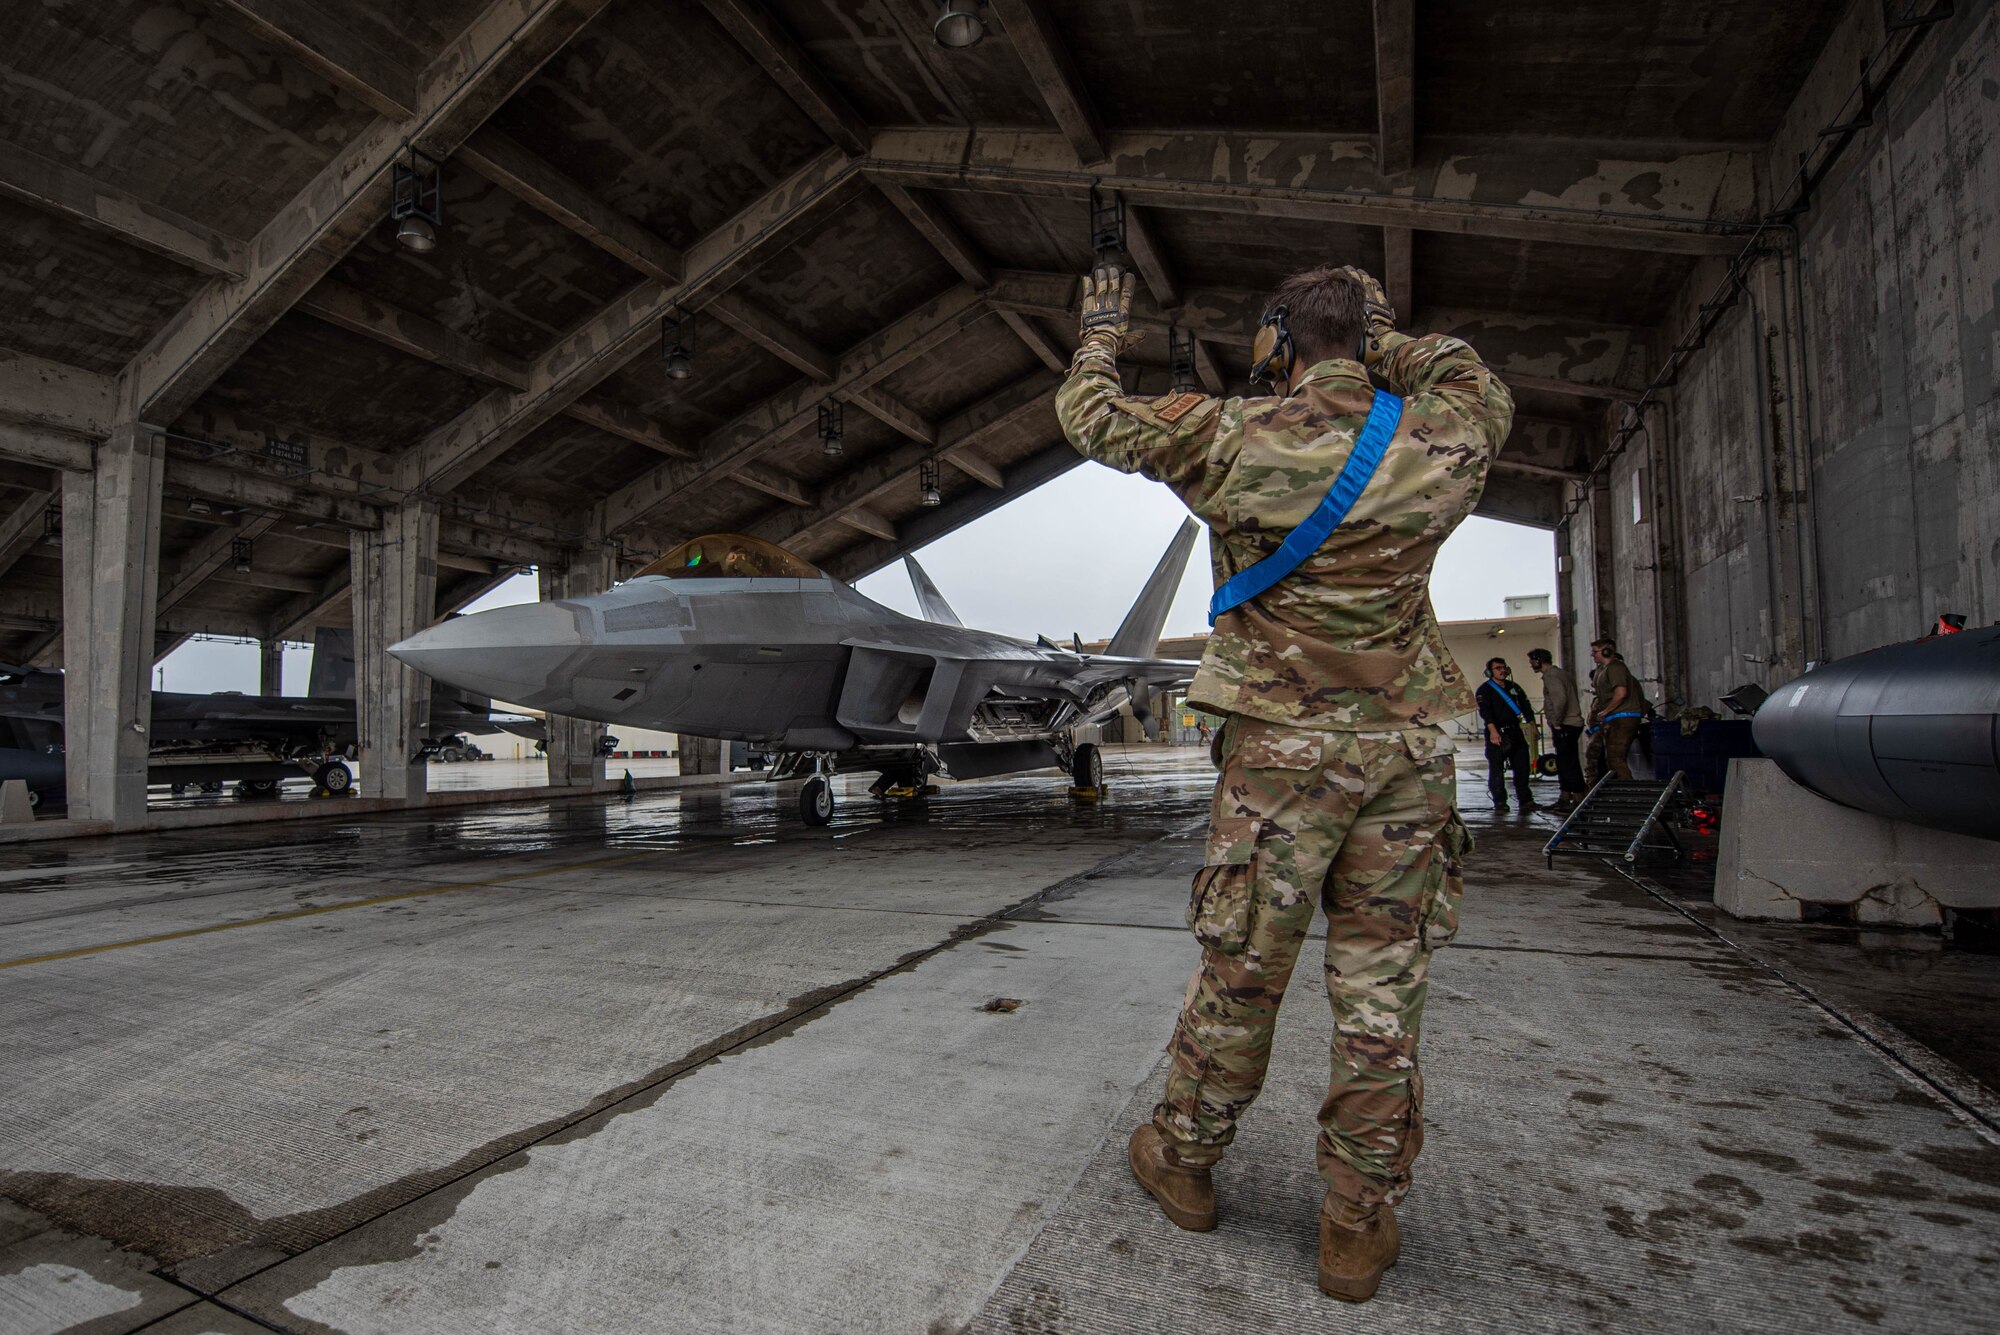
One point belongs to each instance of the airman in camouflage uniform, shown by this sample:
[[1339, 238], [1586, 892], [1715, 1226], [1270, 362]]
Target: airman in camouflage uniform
[[1337, 780]]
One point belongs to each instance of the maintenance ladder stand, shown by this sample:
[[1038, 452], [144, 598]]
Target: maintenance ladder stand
[[1622, 818]]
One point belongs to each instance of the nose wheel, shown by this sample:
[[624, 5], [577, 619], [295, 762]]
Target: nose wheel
[[816, 800]]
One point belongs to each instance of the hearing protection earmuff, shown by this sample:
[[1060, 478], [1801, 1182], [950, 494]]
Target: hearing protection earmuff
[[1271, 351]]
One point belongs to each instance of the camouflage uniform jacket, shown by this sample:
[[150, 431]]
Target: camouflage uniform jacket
[[1348, 640]]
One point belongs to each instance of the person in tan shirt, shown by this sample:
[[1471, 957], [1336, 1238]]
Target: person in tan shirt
[[1563, 712]]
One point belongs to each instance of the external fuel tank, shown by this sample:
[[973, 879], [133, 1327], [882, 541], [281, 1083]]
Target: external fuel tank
[[1911, 731]]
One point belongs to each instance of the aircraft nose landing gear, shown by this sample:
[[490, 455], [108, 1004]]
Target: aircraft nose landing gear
[[816, 800], [1086, 773]]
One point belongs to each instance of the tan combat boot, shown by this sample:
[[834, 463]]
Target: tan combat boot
[[1356, 1244], [1184, 1192]]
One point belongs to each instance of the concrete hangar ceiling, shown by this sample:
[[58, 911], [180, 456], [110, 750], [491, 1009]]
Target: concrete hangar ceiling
[[837, 216]]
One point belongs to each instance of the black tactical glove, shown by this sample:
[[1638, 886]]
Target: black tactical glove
[[1380, 316], [1107, 308]]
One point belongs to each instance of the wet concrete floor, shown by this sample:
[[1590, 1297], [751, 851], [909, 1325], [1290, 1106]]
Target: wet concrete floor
[[687, 1064]]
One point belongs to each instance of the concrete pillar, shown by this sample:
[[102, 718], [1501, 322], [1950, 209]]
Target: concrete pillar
[[270, 667], [111, 563], [395, 590], [573, 756], [700, 755]]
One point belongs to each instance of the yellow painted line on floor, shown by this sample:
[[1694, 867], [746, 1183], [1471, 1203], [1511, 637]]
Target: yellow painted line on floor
[[296, 914]]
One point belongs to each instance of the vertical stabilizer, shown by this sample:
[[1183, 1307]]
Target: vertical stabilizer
[[929, 600], [332, 665], [1139, 635]]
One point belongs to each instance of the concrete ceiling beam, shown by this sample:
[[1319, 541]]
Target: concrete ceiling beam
[[894, 414], [1396, 85], [67, 193], [273, 580], [768, 424], [41, 610], [21, 528], [781, 57], [930, 524], [605, 342], [1523, 350], [770, 333], [957, 439], [1149, 257], [1042, 50], [557, 196], [247, 489], [1208, 370], [49, 449], [975, 466], [550, 192], [627, 423], [1034, 339], [1538, 470], [1699, 203], [291, 253], [207, 558], [298, 616], [781, 486], [339, 468], [37, 392], [324, 43], [867, 521], [936, 227], [351, 309]]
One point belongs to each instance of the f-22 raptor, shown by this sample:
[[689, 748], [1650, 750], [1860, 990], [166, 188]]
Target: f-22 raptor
[[729, 636]]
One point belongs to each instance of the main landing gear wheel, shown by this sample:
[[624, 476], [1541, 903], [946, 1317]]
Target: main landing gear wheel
[[1086, 772], [334, 777], [816, 800]]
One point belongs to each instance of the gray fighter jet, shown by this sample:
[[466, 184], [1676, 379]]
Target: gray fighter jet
[[728, 636]]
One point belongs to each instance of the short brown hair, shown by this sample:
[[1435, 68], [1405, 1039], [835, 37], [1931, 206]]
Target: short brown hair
[[1608, 646], [1325, 311]]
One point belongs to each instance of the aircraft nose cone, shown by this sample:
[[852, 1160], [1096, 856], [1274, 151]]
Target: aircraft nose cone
[[507, 653]]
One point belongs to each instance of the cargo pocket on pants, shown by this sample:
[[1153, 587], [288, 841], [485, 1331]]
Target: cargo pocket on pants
[[1445, 884], [1222, 905]]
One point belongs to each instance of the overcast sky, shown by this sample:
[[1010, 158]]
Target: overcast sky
[[1068, 557]]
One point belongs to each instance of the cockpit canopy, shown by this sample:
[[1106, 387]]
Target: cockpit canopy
[[730, 556]]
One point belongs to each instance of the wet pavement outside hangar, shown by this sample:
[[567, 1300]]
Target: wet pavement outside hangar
[[684, 1063]]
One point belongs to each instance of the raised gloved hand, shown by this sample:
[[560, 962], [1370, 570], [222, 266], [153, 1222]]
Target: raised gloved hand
[[1107, 308], [1380, 315]]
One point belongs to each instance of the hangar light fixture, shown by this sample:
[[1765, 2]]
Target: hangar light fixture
[[416, 200], [927, 482], [677, 340], [239, 555], [958, 24], [1180, 354], [52, 524], [832, 418]]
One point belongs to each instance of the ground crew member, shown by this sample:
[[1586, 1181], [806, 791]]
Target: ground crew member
[[1617, 707], [1508, 714], [1327, 666], [1562, 710]]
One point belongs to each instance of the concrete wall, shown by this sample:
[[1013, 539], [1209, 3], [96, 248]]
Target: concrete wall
[[1831, 457]]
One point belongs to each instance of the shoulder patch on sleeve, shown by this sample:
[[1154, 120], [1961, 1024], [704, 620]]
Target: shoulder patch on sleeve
[[1171, 412]]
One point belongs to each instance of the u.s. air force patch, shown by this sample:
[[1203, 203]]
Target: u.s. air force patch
[[1171, 412]]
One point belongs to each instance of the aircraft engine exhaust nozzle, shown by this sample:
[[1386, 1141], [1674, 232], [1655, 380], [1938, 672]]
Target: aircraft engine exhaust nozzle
[[508, 653]]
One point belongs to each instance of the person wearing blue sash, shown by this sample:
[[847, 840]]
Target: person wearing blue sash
[[1509, 716], [1326, 495]]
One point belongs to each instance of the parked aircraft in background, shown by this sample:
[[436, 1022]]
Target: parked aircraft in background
[[729, 636], [206, 741]]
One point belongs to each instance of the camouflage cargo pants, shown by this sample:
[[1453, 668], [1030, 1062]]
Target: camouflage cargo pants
[[1610, 749], [1363, 824]]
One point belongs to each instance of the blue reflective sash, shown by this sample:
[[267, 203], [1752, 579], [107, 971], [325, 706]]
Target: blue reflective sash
[[1623, 713], [1508, 698], [1304, 540]]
